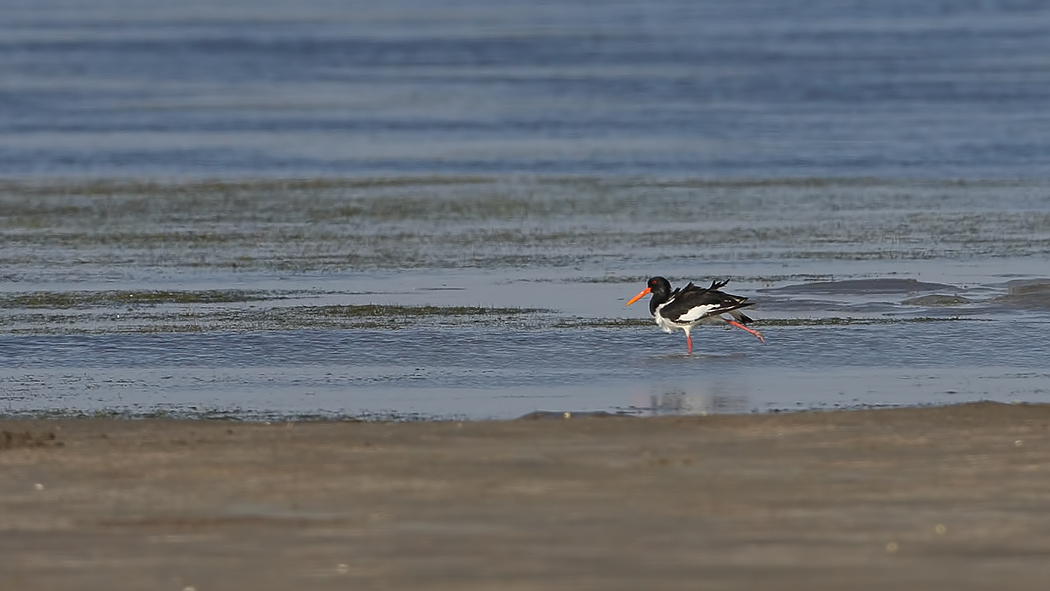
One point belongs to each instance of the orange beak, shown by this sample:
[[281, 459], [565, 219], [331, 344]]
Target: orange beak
[[641, 295]]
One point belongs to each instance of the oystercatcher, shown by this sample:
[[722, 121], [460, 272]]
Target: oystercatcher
[[691, 305]]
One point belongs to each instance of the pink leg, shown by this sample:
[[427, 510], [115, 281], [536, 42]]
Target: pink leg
[[689, 343], [757, 334]]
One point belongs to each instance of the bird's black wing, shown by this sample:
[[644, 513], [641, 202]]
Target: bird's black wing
[[694, 303]]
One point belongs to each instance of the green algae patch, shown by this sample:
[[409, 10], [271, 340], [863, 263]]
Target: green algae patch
[[71, 231], [117, 186], [603, 323], [388, 311], [93, 299], [96, 315]]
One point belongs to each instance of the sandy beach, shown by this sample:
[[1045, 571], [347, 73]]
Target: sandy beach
[[933, 498]]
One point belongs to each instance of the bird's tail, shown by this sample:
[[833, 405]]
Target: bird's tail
[[741, 317]]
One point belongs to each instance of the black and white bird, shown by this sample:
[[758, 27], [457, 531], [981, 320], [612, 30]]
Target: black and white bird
[[689, 306]]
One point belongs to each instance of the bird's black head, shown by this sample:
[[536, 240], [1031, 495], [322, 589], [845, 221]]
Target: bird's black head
[[659, 287]]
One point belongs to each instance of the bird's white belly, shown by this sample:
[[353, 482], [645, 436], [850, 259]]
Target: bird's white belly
[[665, 324], [698, 315]]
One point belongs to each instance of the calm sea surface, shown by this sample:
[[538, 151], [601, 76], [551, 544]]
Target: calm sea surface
[[438, 209], [207, 88]]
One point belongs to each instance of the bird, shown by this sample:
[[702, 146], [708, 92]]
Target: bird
[[686, 307]]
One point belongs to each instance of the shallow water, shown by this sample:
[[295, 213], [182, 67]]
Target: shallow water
[[438, 209], [481, 373], [490, 298]]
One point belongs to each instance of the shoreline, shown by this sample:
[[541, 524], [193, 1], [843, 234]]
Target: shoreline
[[391, 417], [951, 497]]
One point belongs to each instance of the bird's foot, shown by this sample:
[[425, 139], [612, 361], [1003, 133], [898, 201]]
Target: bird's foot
[[754, 332]]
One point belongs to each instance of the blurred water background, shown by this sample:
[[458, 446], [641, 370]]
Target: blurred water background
[[941, 89]]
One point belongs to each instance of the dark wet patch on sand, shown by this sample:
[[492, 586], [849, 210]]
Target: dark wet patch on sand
[[28, 439], [1026, 295], [937, 301], [862, 287]]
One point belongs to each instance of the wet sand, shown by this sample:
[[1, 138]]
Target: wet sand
[[932, 498]]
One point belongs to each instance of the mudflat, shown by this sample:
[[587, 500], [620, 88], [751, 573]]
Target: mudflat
[[952, 497]]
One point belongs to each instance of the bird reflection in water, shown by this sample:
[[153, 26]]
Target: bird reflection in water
[[679, 402]]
